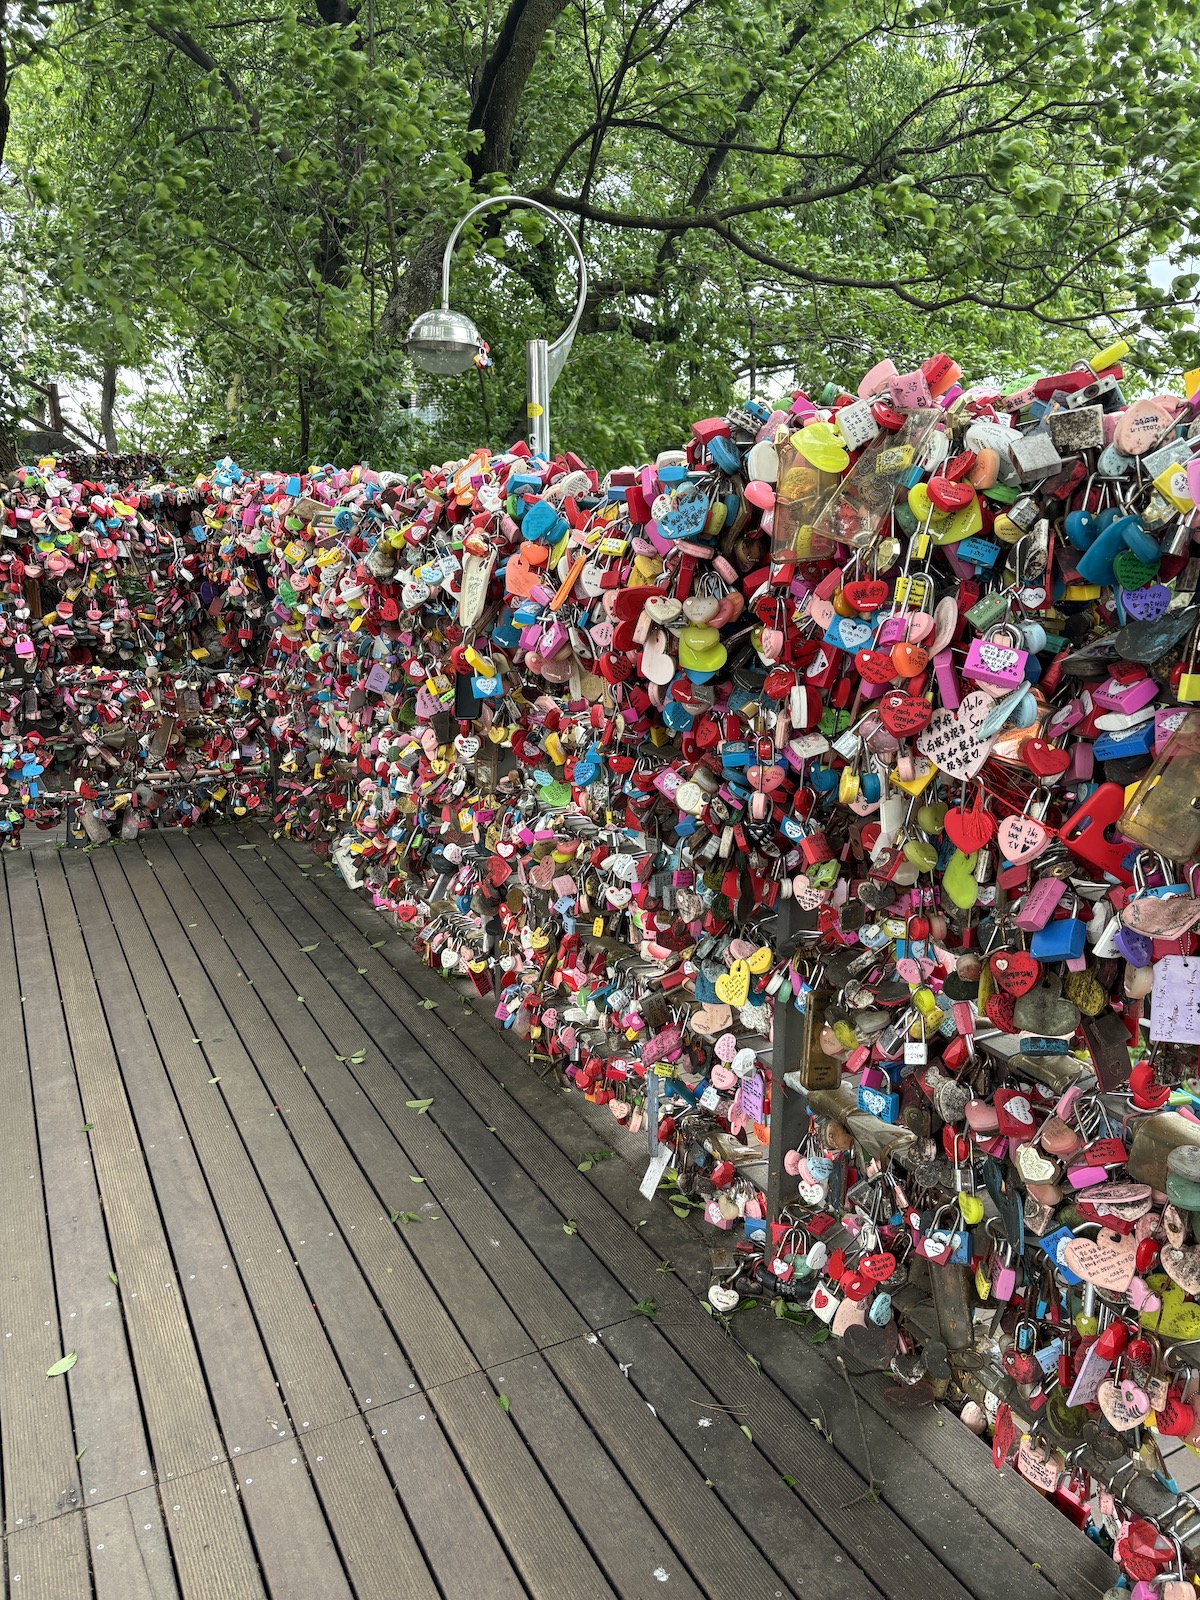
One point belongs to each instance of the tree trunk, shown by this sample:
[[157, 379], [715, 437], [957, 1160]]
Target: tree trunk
[[8, 450], [108, 399]]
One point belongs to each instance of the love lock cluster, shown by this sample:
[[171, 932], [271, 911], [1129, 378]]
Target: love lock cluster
[[821, 797]]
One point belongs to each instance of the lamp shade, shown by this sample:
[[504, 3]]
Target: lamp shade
[[443, 341]]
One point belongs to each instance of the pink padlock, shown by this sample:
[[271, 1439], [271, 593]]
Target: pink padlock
[[910, 390], [999, 664], [947, 679], [1083, 761], [1039, 904], [1126, 697]]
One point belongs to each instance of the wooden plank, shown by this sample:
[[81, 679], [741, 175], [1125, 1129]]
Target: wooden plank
[[349, 1012], [314, 1388], [213, 1556], [1066, 1558], [542, 1542], [127, 1543], [49, 1561], [293, 1541], [299, 1230], [629, 1546], [750, 1489], [244, 1391], [722, 1555], [933, 1506], [39, 1475], [319, 1032], [458, 1541], [376, 1543], [428, 1335], [182, 1428], [876, 1539], [298, 1557], [107, 1414]]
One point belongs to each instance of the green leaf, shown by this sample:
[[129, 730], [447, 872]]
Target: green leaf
[[419, 1106], [113, 1279], [305, 948], [427, 1005], [214, 1080], [647, 1308], [791, 1482], [502, 1401], [412, 1178], [88, 1127], [63, 1365], [747, 1432], [820, 1335], [570, 1227], [754, 1361]]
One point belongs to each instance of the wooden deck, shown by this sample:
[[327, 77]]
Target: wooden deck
[[330, 1346]]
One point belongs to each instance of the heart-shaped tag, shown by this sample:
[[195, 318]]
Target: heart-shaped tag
[[875, 666], [1182, 1267], [1132, 572], [999, 1009], [970, 829], [1033, 1166], [1146, 604], [1124, 1405], [866, 594], [1016, 971], [909, 659], [1046, 760], [733, 987], [722, 1299], [904, 714], [950, 740], [1108, 1260], [1022, 839]]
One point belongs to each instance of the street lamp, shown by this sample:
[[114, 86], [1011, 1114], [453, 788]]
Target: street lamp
[[446, 341]]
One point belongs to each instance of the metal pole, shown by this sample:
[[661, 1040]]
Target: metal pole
[[537, 395]]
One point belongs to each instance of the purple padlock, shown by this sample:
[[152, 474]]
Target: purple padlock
[[1135, 947]]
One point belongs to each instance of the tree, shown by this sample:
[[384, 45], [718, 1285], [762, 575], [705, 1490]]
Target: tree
[[258, 194]]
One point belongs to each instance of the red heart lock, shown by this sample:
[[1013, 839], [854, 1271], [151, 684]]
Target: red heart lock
[[1175, 1416], [614, 668], [1015, 971], [878, 1267], [1021, 1365], [1147, 1095], [999, 1008], [949, 495], [904, 714], [778, 682], [970, 829], [1014, 1114], [867, 594], [1046, 760], [1112, 1341], [875, 666]]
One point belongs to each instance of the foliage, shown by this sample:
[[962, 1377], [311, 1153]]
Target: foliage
[[242, 203]]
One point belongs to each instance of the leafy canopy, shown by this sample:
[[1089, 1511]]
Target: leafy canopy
[[242, 203]]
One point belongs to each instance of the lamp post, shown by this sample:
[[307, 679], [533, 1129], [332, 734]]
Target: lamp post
[[446, 341]]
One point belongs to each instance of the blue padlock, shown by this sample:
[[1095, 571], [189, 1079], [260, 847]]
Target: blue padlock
[[1059, 941], [1137, 741], [725, 455]]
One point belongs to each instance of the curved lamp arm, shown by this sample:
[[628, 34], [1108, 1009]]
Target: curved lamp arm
[[561, 348]]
